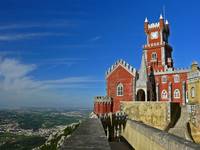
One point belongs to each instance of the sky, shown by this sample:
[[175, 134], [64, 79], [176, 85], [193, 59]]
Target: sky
[[55, 53]]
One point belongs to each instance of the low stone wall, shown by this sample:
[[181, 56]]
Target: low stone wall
[[161, 115], [89, 135], [194, 122], [144, 137]]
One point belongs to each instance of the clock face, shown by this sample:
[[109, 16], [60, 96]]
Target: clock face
[[154, 35]]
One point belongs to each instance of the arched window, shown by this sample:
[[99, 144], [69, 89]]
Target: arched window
[[120, 89], [154, 56], [177, 93], [164, 94], [192, 92]]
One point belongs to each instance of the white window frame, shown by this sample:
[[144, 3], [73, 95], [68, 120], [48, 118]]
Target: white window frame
[[120, 89], [154, 56], [176, 78], [177, 93], [164, 77], [164, 94], [193, 92]]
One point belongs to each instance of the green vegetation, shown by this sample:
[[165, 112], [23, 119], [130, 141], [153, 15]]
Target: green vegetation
[[35, 119], [54, 142], [19, 142]]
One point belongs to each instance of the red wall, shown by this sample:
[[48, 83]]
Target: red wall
[[120, 75], [102, 108], [170, 78]]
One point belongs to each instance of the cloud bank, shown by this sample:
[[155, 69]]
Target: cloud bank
[[18, 87]]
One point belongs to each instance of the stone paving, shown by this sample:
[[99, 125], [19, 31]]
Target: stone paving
[[89, 135]]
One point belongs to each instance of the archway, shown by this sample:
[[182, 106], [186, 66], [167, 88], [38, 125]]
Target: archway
[[141, 95]]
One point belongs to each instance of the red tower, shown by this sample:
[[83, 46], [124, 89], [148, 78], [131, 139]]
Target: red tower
[[158, 53], [156, 80]]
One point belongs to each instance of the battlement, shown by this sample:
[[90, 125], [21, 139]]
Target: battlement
[[154, 44], [122, 63], [161, 25], [171, 71], [103, 99], [153, 25]]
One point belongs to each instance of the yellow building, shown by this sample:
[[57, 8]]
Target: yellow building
[[194, 84]]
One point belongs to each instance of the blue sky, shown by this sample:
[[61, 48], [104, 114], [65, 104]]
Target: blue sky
[[55, 53]]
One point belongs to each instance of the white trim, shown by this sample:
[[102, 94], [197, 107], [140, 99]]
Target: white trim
[[154, 56], [162, 79], [157, 92], [192, 92], [123, 64], [171, 72], [161, 36], [170, 91], [120, 90], [176, 78], [177, 94], [164, 94], [163, 55]]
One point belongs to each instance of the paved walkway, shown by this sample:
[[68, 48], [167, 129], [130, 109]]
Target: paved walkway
[[89, 135]]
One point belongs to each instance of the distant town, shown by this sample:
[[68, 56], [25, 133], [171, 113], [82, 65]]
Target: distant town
[[40, 124]]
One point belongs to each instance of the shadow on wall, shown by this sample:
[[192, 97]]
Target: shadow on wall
[[175, 116]]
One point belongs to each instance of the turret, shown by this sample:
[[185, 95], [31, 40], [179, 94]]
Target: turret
[[167, 26], [161, 21], [158, 51], [194, 66], [146, 25]]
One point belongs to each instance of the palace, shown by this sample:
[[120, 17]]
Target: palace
[[156, 80]]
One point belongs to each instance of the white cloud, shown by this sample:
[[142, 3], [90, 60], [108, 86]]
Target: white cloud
[[96, 38], [21, 36], [11, 68], [51, 24], [17, 84]]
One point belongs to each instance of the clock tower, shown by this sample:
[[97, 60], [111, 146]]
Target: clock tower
[[158, 53]]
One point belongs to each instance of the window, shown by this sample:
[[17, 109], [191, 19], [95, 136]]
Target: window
[[176, 93], [120, 89], [192, 92], [154, 56], [164, 94], [176, 78], [164, 79], [186, 96]]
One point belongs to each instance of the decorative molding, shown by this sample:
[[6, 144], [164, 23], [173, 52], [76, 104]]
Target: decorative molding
[[153, 25], [171, 71], [123, 64], [103, 99]]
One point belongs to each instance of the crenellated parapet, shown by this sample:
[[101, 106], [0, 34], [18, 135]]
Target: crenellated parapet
[[171, 71], [161, 25], [122, 63], [102, 105], [151, 45], [154, 25], [103, 99]]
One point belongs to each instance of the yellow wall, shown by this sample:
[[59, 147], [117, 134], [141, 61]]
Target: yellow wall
[[138, 140], [194, 81], [196, 85], [155, 114], [144, 137]]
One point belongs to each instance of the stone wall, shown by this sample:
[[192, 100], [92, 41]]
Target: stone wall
[[144, 137], [194, 121], [161, 115]]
